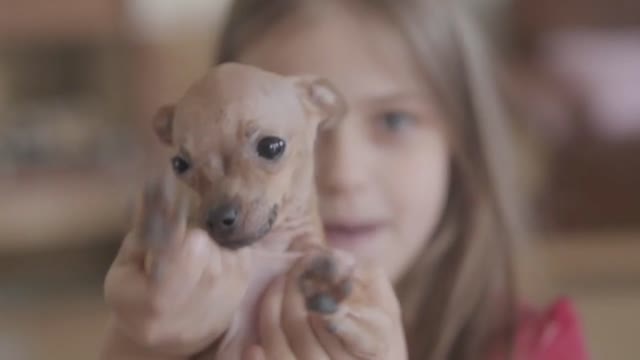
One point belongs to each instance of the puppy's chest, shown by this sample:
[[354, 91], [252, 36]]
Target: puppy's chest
[[265, 267]]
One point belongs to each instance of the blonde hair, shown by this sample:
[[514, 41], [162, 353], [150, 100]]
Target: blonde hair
[[459, 299]]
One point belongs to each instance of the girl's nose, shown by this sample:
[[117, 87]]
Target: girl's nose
[[342, 159]]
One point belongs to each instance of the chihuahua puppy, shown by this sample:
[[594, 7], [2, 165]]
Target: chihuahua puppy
[[243, 143]]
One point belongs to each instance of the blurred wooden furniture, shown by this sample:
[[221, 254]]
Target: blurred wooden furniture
[[29, 20], [66, 136], [592, 181], [79, 82]]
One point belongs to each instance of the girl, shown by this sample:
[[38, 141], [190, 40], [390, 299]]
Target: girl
[[409, 180]]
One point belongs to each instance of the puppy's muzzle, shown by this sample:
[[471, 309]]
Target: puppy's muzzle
[[232, 228]]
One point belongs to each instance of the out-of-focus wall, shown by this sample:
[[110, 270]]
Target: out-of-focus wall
[[79, 82]]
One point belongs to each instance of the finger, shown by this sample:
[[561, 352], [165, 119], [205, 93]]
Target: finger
[[255, 352], [190, 272], [218, 292], [348, 334], [295, 321], [272, 338], [328, 339], [128, 286], [202, 294]]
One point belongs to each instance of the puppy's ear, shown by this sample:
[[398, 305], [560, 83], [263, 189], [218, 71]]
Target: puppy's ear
[[325, 99], [163, 124]]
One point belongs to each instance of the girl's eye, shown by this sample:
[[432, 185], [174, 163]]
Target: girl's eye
[[271, 147], [397, 120], [180, 165]]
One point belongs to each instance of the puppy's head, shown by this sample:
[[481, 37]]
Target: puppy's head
[[243, 140]]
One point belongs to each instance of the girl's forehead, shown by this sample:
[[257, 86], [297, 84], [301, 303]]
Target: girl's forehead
[[363, 56]]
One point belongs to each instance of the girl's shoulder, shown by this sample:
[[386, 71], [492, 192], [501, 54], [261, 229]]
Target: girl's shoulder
[[555, 333]]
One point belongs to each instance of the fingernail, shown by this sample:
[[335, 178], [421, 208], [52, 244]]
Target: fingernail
[[322, 303]]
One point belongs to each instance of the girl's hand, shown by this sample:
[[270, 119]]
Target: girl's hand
[[171, 291], [367, 324]]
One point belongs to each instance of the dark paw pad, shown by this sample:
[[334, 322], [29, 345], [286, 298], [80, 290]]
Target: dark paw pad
[[322, 303], [325, 284]]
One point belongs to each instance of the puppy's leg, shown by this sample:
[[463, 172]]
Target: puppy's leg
[[161, 221]]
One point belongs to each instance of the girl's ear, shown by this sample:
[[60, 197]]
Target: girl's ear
[[324, 98], [163, 124]]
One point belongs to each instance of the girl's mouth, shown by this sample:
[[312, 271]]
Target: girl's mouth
[[350, 235]]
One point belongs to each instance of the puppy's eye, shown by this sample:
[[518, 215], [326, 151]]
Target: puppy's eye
[[271, 147], [180, 164]]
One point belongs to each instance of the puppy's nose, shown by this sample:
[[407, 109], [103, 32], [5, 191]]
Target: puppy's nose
[[223, 218]]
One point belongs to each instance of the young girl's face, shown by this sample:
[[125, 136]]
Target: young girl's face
[[383, 172]]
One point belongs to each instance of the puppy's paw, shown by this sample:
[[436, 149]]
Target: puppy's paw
[[162, 217], [351, 308], [326, 282], [162, 211]]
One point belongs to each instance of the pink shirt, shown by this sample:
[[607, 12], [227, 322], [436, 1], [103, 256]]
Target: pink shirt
[[553, 334]]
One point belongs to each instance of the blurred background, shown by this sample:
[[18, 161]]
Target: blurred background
[[79, 80]]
